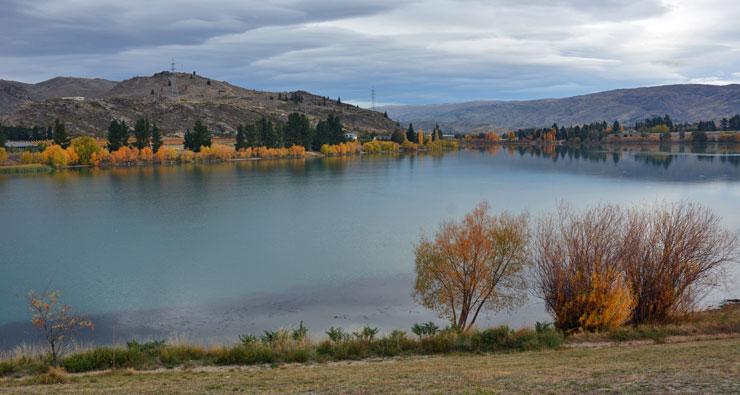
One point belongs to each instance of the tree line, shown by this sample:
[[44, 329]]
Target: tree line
[[296, 131]]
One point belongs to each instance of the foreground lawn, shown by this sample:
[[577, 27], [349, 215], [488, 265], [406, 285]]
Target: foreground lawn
[[700, 366]]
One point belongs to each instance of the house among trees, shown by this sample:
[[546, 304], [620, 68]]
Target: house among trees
[[350, 136]]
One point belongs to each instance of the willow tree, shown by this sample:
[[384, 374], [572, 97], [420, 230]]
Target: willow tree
[[472, 265]]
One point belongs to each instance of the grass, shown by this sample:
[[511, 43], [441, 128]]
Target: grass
[[25, 169], [697, 367]]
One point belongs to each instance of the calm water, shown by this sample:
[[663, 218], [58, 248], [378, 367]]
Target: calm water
[[255, 243]]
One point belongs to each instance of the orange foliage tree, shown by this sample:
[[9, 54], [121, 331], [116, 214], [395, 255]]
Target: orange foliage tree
[[3, 155], [577, 271], [473, 264], [55, 321]]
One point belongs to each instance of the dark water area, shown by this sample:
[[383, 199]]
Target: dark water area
[[208, 252]]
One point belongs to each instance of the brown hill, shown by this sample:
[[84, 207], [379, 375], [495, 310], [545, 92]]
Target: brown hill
[[684, 103], [220, 105], [14, 94]]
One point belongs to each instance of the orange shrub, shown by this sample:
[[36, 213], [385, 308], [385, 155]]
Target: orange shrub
[[341, 149], [186, 156], [217, 152], [166, 154], [100, 157], [3, 155], [146, 155], [55, 156], [124, 156], [28, 158]]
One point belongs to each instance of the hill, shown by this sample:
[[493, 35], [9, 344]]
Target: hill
[[14, 94], [681, 102], [220, 105]]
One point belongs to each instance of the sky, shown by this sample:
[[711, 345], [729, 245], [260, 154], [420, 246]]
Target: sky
[[411, 52]]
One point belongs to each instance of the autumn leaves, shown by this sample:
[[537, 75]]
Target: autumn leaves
[[595, 270]]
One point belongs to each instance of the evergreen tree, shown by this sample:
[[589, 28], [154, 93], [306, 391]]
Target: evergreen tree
[[60, 134], [724, 124], [385, 114], [3, 136], [156, 138], [339, 100], [411, 133], [241, 138], [268, 136], [616, 127], [199, 137], [252, 136], [118, 133], [142, 133], [297, 131], [398, 136], [49, 133]]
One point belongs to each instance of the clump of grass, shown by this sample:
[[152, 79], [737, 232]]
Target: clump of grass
[[25, 169], [54, 375]]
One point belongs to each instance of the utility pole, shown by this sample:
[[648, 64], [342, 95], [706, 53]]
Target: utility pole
[[372, 98], [173, 81]]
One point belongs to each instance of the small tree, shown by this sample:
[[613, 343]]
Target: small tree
[[60, 134], [118, 133], [473, 264], [55, 321], [199, 137], [85, 147]]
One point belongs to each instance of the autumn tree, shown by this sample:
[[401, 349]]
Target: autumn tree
[[85, 147], [675, 254], [56, 322], [577, 268], [472, 265]]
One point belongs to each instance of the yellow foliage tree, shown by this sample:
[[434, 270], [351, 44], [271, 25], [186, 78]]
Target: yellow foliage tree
[[85, 147], [3, 155]]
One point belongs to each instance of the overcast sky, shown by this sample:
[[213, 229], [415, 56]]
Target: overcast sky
[[411, 51]]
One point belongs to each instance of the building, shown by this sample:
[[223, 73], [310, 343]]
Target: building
[[350, 136], [74, 98]]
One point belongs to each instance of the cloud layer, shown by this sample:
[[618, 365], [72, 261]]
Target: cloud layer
[[410, 51]]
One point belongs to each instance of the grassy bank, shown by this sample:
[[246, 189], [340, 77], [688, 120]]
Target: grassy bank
[[25, 169], [287, 346], [703, 367]]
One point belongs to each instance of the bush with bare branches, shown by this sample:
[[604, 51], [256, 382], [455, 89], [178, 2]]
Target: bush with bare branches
[[674, 254], [55, 321], [577, 268], [473, 264]]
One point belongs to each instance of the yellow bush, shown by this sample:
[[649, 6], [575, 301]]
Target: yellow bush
[[28, 158], [55, 156], [341, 149], [409, 146], [85, 147], [187, 156], [166, 154], [376, 146], [3, 155], [72, 157], [217, 152]]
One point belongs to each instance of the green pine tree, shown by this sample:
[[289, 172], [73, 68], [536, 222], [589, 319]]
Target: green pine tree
[[60, 134], [142, 133], [156, 138]]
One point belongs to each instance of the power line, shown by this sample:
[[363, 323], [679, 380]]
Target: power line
[[173, 80]]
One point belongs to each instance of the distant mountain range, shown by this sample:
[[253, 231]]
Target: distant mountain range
[[682, 102], [220, 105]]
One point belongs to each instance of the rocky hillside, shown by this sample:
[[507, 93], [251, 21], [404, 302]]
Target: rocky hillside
[[14, 94], [681, 102], [220, 105]]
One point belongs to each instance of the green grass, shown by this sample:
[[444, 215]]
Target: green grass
[[692, 367]]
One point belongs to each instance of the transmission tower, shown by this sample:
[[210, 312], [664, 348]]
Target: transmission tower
[[372, 98], [173, 80]]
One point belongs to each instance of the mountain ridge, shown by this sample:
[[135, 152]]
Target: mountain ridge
[[683, 102]]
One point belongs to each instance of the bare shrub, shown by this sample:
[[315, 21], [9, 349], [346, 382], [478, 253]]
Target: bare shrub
[[674, 254], [577, 268]]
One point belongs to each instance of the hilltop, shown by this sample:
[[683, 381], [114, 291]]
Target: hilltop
[[219, 104], [684, 103]]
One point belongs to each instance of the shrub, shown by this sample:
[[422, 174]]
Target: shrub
[[577, 259], [56, 156], [85, 147], [166, 154], [3, 155], [341, 149], [377, 146], [124, 156]]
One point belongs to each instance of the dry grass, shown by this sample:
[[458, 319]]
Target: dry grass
[[704, 367]]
